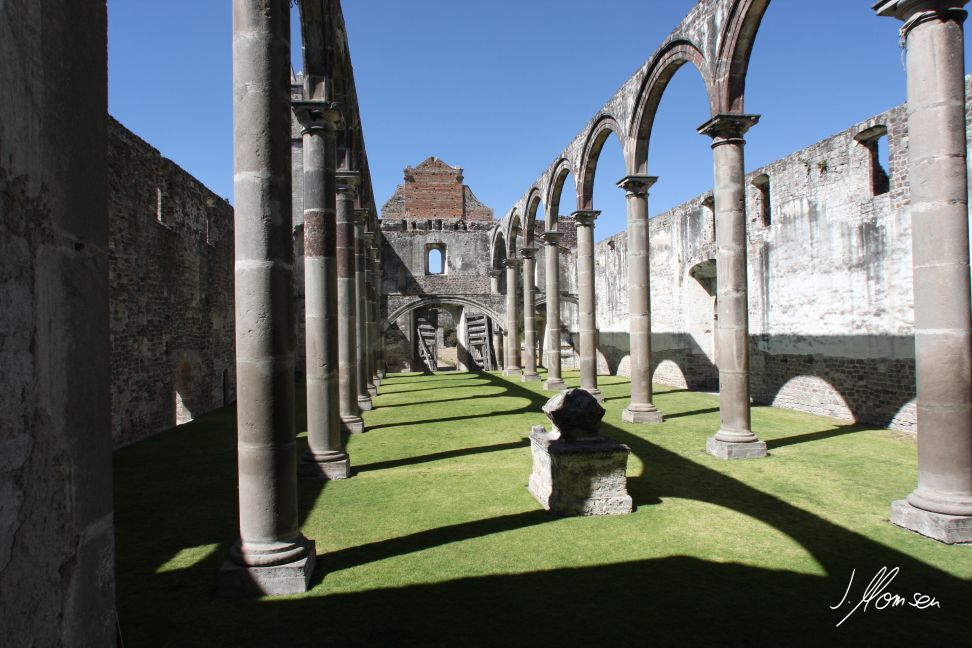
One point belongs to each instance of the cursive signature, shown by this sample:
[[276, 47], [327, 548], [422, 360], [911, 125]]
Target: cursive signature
[[875, 594]]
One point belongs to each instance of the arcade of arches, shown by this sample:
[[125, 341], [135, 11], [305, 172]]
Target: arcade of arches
[[331, 286]]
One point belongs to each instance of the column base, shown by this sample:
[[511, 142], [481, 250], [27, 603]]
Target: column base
[[728, 450], [530, 376], [554, 384], [376, 380], [638, 414], [324, 468], [352, 424], [364, 403], [512, 371], [595, 392], [381, 374], [950, 529], [245, 581], [372, 391]]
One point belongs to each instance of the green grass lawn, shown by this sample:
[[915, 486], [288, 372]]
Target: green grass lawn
[[436, 542]]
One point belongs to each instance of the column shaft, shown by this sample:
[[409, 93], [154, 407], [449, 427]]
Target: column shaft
[[941, 505], [347, 305], [641, 409], [325, 456], [555, 380], [529, 316], [512, 334], [269, 534], [734, 438], [586, 301]]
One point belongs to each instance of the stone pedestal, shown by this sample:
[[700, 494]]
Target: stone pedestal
[[950, 529], [352, 424], [313, 467], [645, 413], [237, 580], [584, 477], [731, 450]]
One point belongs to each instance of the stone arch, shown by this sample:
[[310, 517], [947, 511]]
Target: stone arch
[[598, 134], [497, 249], [663, 67], [558, 177], [514, 225], [182, 390], [533, 202], [792, 394], [669, 372], [439, 301], [735, 48]]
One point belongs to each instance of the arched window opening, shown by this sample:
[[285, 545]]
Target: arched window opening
[[874, 141], [761, 204], [435, 259]]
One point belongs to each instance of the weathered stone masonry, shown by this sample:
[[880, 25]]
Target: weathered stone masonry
[[830, 284], [171, 291]]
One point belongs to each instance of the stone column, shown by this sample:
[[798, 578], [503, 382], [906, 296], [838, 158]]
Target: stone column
[[374, 282], [494, 281], [529, 315], [512, 341], [499, 350], [735, 439], [941, 506], [586, 302], [325, 456], [641, 409], [363, 380], [555, 381], [271, 555], [368, 310], [347, 183]]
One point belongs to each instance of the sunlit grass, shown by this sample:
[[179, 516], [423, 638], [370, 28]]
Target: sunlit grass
[[436, 541]]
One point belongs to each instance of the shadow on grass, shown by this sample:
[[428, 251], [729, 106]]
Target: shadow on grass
[[187, 478], [816, 436], [437, 456]]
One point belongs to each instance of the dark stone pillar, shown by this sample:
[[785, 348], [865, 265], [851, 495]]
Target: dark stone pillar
[[586, 301], [347, 183], [361, 302], [641, 409], [555, 381], [512, 341], [529, 315], [941, 506], [735, 439], [325, 457], [371, 276], [271, 556]]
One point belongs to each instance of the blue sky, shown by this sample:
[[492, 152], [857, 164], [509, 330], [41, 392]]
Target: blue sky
[[500, 87]]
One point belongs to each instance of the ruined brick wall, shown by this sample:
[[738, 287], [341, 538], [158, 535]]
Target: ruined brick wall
[[434, 190], [171, 277], [57, 583], [830, 286]]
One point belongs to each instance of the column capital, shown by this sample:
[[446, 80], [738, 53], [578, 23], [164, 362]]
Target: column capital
[[728, 127], [552, 237], [495, 274], [361, 215], [316, 116], [528, 252], [915, 12], [346, 182], [636, 185], [511, 262], [585, 217], [368, 237]]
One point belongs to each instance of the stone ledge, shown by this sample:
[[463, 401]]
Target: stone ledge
[[239, 581], [950, 529], [726, 450]]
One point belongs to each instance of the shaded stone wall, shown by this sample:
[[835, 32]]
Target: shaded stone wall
[[57, 582], [171, 275], [830, 286]]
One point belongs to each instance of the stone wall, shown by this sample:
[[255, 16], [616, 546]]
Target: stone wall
[[433, 189], [830, 288], [171, 276], [57, 582]]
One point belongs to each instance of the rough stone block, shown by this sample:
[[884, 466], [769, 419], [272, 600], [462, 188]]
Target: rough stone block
[[319, 470], [635, 416], [726, 450], [238, 581], [950, 529], [580, 477]]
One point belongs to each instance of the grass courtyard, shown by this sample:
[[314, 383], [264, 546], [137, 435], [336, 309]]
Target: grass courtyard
[[436, 542]]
